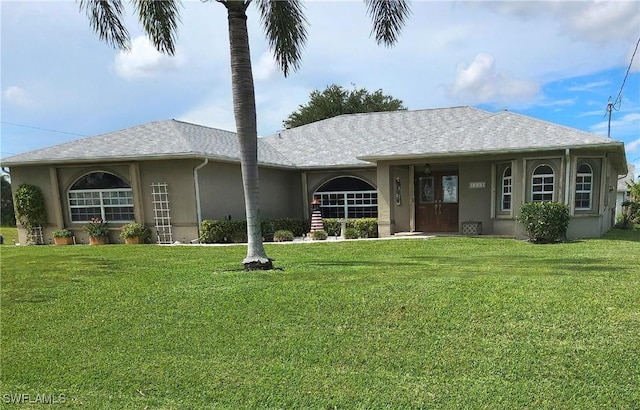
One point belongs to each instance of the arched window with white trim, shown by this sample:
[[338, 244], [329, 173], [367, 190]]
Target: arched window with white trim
[[347, 197], [506, 189], [584, 187], [101, 195], [543, 184]]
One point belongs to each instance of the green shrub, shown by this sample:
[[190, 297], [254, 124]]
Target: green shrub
[[366, 227], [351, 233], [62, 233], [283, 236], [624, 221], [319, 235], [223, 231], [332, 226], [136, 229], [297, 226], [545, 222], [30, 209]]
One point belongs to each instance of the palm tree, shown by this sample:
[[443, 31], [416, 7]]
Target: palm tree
[[285, 27]]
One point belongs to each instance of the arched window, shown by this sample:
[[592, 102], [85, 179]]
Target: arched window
[[506, 189], [347, 197], [584, 187], [542, 184], [101, 195]]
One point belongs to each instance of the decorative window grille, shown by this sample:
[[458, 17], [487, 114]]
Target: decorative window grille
[[347, 197], [161, 212], [359, 204], [584, 187], [542, 184], [101, 195], [506, 189]]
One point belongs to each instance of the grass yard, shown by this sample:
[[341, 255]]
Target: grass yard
[[445, 323]]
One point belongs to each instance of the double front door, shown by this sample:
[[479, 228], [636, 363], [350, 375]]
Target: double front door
[[437, 202]]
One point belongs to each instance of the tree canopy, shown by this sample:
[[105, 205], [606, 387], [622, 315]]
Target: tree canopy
[[336, 100]]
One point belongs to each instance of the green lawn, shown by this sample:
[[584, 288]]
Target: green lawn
[[10, 234], [442, 323]]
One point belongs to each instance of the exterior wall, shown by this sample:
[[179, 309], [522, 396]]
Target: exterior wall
[[475, 199], [480, 187], [313, 180], [178, 175], [402, 206], [221, 193], [40, 177]]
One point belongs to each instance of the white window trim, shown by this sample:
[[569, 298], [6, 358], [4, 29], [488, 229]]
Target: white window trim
[[502, 187], [102, 205], [590, 191], [371, 202], [543, 176]]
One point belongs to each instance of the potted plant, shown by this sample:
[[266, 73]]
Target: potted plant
[[63, 237], [98, 231], [135, 232]]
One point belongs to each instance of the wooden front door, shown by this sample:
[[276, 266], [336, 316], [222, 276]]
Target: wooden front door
[[437, 202]]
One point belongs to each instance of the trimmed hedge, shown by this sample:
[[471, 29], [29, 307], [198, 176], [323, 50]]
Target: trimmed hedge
[[545, 222], [283, 236], [365, 227], [235, 231]]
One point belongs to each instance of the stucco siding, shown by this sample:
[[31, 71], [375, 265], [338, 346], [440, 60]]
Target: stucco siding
[[475, 199]]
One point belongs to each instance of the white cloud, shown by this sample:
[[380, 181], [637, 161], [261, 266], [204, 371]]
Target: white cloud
[[589, 86], [480, 82], [265, 68], [626, 125], [633, 146], [215, 112], [143, 60], [16, 95]]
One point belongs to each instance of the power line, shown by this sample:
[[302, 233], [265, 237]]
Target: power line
[[42, 129], [615, 105]]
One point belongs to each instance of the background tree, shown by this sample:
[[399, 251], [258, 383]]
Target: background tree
[[6, 202], [335, 100], [285, 28]]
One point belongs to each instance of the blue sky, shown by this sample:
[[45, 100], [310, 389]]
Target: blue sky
[[558, 61]]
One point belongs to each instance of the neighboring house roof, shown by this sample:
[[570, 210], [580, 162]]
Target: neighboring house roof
[[622, 182], [344, 141]]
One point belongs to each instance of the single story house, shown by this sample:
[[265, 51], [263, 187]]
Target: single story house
[[458, 170]]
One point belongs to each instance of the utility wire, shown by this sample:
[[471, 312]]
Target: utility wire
[[42, 129], [618, 99], [615, 105]]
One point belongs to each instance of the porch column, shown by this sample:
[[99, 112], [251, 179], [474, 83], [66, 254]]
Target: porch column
[[385, 200]]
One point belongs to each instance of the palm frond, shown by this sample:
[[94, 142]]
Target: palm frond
[[388, 17], [160, 21], [286, 28], [106, 20]]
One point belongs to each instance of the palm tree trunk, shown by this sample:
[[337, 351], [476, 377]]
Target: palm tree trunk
[[244, 108]]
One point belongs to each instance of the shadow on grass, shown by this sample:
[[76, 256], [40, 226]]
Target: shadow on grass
[[632, 235]]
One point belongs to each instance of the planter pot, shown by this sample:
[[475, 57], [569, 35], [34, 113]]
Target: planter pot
[[133, 240], [98, 240], [66, 240]]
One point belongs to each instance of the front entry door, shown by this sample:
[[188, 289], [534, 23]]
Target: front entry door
[[437, 202]]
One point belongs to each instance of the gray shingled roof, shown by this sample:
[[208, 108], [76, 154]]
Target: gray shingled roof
[[500, 132], [159, 139], [342, 141]]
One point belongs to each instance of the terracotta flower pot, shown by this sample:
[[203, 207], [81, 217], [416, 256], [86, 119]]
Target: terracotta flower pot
[[65, 240], [133, 240], [98, 240]]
